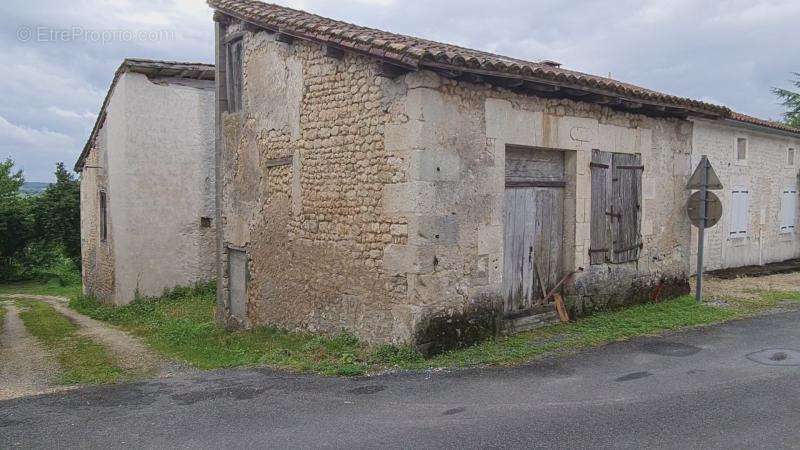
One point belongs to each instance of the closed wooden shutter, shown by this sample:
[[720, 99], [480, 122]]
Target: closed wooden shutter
[[626, 207], [739, 211], [788, 210], [600, 223], [235, 74], [615, 232]]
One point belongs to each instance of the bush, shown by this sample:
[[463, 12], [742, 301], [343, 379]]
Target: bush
[[45, 263]]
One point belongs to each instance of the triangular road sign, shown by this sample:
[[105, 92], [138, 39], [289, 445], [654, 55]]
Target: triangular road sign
[[712, 181]]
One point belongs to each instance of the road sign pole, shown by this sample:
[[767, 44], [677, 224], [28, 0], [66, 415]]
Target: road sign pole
[[701, 232]]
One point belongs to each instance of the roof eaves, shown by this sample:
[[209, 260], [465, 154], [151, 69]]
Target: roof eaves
[[415, 53]]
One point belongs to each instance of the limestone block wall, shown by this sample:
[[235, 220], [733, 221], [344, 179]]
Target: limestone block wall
[[302, 170], [97, 256], [766, 174], [451, 137]]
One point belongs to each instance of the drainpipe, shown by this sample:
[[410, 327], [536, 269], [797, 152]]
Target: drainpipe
[[761, 224]]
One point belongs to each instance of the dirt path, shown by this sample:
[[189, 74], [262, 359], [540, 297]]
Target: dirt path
[[26, 368], [130, 352]]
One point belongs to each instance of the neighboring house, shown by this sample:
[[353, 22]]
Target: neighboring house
[[147, 182], [757, 162], [416, 192]]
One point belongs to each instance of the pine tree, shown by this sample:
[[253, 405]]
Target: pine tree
[[790, 100]]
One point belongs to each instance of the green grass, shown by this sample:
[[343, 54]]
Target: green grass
[[181, 325], [82, 361], [53, 288]]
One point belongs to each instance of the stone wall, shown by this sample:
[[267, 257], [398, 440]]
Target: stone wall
[[313, 229], [388, 222], [97, 256], [766, 174], [450, 140]]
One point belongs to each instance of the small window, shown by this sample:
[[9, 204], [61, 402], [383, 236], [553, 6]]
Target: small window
[[741, 149], [205, 222], [740, 199], [789, 210], [790, 157], [234, 56], [103, 217]]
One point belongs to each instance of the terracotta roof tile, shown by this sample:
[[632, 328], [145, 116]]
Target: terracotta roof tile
[[416, 53], [739, 117]]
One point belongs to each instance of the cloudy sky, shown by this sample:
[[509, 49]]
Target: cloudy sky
[[59, 56]]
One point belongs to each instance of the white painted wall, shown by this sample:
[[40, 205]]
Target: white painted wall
[[766, 174], [161, 182]]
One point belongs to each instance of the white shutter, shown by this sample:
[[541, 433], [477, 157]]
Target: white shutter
[[788, 210], [739, 211]]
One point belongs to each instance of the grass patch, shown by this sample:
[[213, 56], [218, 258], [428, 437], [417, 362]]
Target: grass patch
[[181, 325], [53, 288], [82, 360]]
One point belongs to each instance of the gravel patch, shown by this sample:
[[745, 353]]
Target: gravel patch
[[747, 287], [26, 367], [129, 351]]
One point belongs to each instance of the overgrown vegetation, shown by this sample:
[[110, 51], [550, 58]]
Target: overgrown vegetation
[[40, 233], [82, 361], [181, 325]]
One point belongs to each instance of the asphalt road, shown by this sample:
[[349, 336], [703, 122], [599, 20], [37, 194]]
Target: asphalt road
[[696, 389]]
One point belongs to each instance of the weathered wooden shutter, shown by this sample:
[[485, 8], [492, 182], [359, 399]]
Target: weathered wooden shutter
[[626, 207], [234, 74], [600, 223]]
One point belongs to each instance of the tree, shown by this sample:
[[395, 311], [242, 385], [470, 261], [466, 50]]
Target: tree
[[56, 214], [9, 182], [791, 100], [14, 217]]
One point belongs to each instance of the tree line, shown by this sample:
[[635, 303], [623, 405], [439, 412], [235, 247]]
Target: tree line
[[40, 236]]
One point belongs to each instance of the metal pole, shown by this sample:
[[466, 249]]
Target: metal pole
[[702, 231]]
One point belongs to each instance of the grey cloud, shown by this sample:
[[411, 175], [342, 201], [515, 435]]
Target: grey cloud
[[725, 51]]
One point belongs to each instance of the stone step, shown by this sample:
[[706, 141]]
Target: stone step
[[531, 322]]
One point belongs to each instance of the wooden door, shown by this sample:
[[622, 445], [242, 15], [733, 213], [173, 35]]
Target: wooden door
[[533, 226], [237, 283]]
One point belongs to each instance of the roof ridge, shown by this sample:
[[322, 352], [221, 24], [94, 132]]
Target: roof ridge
[[417, 53]]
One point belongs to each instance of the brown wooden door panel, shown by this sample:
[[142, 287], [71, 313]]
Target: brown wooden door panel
[[518, 247], [548, 235], [533, 227]]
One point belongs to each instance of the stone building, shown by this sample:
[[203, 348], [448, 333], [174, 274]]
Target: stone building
[[757, 163], [147, 182], [411, 191]]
